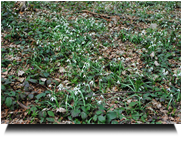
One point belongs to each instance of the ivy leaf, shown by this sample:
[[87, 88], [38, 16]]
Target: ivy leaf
[[8, 102]]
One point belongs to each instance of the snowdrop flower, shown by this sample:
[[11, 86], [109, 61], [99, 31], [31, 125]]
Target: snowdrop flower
[[86, 98], [99, 102], [68, 60], [150, 69], [168, 89], [84, 76], [102, 96], [174, 75], [92, 98], [141, 98], [49, 95], [118, 82], [171, 95], [50, 85], [118, 98], [93, 94], [76, 92], [91, 83], [100, 79], [178, 89], [52, 99]]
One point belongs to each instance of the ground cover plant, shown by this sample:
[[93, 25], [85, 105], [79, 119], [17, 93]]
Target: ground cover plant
[[91, 63]]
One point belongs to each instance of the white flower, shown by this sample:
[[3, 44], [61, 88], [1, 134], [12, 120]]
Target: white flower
[[99, 102], [52, 99], [102, 96], [178, 89], [50, 85], [93, 94], [168, 89], [171, 95], [92, 98], [141, 98], [91, 83], [179, 74], [68, 60], [118, 98], [118, 82], [174, 75], [49, 95], [86, 98], [84, 76], [76, 92], [100, 79]]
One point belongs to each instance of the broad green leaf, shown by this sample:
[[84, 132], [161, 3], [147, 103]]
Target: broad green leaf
[[50, 113], [114, 122], [75, 113], [99, 112], [111, 115], [131, 104], [48, 82], [83, 115], [30, 96], [3, 87], [42, 114], [33, 108], [33, 80], [8, 102], [40, 95], [95, 118], [50, 119], [101, 118], [46, 74]]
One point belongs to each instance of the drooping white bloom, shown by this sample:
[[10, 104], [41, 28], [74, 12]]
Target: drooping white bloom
[[52, 99]]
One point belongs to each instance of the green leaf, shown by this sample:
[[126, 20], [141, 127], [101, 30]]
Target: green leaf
[[48, 82], [42, 114], [50, 119], [30, 96], [111, 115], [40, 95], [46, 74], [50, 113], [114, 122], [95, 118], [33, 109], [101, 107], [3, 87], [83, 115], [132, 104], [75, 113], [33, 80], [99, 112], [101, 118], [8, 102]]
